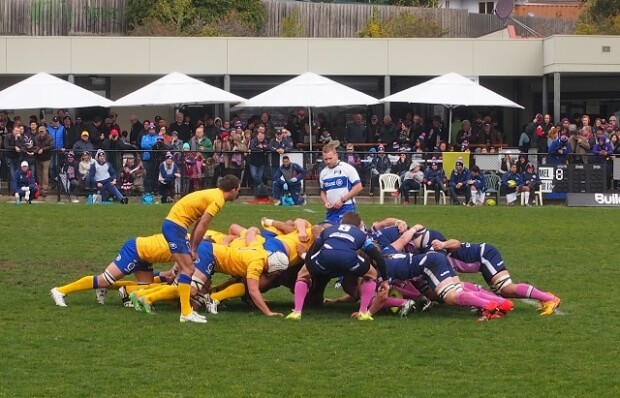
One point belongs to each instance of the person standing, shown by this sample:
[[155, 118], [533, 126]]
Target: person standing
[[339, 183], [197, 209], [44, 144]]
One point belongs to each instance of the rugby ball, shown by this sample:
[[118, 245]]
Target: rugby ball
[[491, 202], [395, 294], [511, 183]]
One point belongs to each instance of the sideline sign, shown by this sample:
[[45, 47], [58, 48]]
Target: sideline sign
[[593, 199]]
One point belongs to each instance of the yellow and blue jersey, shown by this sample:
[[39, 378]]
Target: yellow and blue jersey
[[153, 249], [247, 262], [191, 207]]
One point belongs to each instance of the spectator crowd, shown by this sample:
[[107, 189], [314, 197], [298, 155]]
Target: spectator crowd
[[171, 159]]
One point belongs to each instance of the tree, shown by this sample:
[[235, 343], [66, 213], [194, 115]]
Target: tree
[[195, 17], [291, 27], [599, 17], [404, 24]]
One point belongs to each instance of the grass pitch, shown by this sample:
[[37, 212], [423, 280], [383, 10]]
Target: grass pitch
[[88, 350]]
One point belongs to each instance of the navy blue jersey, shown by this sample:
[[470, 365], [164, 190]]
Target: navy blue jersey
[[474, 257], [403, 266], [427, 238], [385, 236], [339, 245]]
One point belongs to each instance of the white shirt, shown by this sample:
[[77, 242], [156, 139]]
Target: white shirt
[[337, 182]]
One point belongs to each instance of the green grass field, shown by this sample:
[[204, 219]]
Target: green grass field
[[88, 350]]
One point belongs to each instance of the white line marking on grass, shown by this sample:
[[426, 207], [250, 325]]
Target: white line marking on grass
[[535, 303], [309, 211]]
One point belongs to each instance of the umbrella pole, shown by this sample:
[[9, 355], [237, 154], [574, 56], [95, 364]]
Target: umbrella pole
[[310, 122], [450, 126]]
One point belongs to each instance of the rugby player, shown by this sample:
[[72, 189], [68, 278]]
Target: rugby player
[[486, 259], [197, 209]]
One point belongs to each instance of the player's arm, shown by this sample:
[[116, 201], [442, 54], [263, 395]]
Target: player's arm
[[378, 261], [300, 226], [355, 190], [390, 222], [347, 298], [199, 231], [324, 199], [450, 245], [407, 236], [250, 235], [377, 303], [257, 297]]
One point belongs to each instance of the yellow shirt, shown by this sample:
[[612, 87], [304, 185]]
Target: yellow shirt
[[215, 236], [246, 262], [191, 207], [291, 240], [153, 249]]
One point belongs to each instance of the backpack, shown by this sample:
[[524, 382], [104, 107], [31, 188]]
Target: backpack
[[262, 191], [147, 199]]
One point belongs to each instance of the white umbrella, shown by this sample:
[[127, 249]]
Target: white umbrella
[[175, 89], [451, 90], [309, 90], [46, 91]]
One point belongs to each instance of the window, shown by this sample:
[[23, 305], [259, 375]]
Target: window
[[485, 7]]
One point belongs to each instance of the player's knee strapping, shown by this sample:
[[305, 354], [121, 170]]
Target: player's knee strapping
[[108, 277], [501, 283], [197, 284], [452, 287]]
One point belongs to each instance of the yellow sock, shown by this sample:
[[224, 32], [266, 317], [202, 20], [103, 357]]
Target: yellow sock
[[233, 291], [85, 283], [135, 288], [185, 290], [167, 292], [119, 284]]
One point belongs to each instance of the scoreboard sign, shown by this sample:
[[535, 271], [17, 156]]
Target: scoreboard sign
[[575, 178]]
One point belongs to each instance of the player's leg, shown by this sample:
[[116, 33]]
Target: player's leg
[[502, 284], [124, 264], [180, 249], [442, 278], [302, 285]]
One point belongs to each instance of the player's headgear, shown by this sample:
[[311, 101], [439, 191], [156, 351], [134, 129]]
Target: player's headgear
[[277, 261]]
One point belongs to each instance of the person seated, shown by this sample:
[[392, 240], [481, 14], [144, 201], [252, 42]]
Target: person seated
[[287, 180], [458, 182], [104, 177], [86, 161], [132, 175], [412, 180], [511, 184], [380, 164], [531, 184], [69, 173], [435, 178], [24, 185], [168, 173], [476, 186]]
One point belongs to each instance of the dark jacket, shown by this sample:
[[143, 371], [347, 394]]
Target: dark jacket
[[46, 144], [21, 179]]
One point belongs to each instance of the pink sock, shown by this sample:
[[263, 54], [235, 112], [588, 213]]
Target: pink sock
[[393, 302], [469, 299], [524, 290], [367, 291], [480, 292], [301, 289]]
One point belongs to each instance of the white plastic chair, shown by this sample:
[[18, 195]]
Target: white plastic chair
[[442, 195], [538, 197], [388, 183]]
